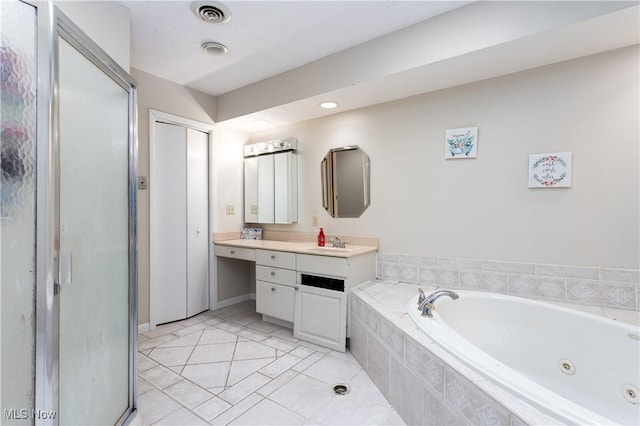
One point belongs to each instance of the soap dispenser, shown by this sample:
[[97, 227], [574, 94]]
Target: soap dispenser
[[321, 238]]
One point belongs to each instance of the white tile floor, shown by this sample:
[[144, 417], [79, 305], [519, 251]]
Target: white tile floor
[[229, 367]]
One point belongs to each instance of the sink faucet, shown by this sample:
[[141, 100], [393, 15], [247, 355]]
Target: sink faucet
[[337, 243], [426, 304]]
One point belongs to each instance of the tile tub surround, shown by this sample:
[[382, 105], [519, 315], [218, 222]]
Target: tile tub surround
[[229, 367], [593, 286], [422, 382]]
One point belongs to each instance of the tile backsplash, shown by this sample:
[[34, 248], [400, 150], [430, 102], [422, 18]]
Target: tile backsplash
[[606, 287]]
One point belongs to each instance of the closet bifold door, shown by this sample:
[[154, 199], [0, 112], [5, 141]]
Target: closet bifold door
[[180, 224], [169, 233], [197, 222]]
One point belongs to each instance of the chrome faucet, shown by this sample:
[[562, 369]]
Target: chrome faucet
[[427, 305], [337, 243]]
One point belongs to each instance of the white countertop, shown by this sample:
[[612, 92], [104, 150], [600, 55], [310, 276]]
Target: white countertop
[[300, 247]]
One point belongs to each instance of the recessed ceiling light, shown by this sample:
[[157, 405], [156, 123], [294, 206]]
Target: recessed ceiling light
[[328, 105], [260, 122]]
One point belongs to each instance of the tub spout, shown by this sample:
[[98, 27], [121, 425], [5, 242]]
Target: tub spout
[[427, 306]]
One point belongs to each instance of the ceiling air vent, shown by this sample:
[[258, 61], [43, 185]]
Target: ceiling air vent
[[212, 12], [214, 48]]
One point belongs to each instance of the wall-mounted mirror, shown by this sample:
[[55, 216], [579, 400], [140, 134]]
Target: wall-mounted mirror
[[345, 182]]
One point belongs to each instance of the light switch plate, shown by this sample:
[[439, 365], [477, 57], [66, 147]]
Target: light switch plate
[[231, 209]]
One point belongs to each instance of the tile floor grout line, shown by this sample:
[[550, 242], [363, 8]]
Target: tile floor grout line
[[174, 399], [191, 353], [226, 380], [254, 398], [163, 391], [239, 414]]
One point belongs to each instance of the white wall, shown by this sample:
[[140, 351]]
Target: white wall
[[230, 177], [424, 205], [107, 23]]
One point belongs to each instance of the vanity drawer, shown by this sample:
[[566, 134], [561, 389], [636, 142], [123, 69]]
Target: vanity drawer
[[322, 265], [275, 300], [278, 259], [275, 275], [235, 252]]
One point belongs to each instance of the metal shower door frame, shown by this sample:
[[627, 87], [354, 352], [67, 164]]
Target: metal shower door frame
[[53, 24]]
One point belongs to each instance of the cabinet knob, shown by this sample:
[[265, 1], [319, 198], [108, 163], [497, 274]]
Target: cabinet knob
[[273, 289], [273, 256], [232, 252], [273, 273], [296, 288]]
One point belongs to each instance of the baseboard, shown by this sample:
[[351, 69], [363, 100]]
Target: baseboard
[[234, 300], [143, 328], [277, 321]]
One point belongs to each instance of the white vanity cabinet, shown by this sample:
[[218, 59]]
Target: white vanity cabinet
[[275, 284], [306, 292], [321, 317], [321, 300], [235, 252]]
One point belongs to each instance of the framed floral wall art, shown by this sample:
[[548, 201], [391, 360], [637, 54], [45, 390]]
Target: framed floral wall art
[[552, 170], [461, 143]]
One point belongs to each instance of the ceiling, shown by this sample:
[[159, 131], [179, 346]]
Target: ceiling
[[285, 57], [264, 38]]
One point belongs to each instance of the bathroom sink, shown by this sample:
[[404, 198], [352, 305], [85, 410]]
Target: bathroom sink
[[329, 250]]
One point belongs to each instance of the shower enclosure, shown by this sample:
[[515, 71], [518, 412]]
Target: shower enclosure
[[68, 296]]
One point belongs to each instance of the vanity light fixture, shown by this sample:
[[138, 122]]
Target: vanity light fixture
[[328, 104], [278, 145]]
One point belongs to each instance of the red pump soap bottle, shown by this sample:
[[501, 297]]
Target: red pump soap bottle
[[321, 238]]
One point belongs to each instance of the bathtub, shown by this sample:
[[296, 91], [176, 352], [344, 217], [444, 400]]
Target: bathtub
[[575, 367]]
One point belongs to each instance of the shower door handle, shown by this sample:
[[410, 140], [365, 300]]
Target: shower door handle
[[64, 268]]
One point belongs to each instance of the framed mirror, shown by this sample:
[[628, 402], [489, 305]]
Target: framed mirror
[[345, 181]]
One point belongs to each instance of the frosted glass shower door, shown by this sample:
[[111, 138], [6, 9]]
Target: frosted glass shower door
[[18, 130], [94, 341]]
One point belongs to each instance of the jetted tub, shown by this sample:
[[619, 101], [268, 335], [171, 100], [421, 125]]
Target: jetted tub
[[575, 367]]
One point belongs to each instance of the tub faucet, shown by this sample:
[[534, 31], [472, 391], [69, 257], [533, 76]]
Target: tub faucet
[[427, 306]]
